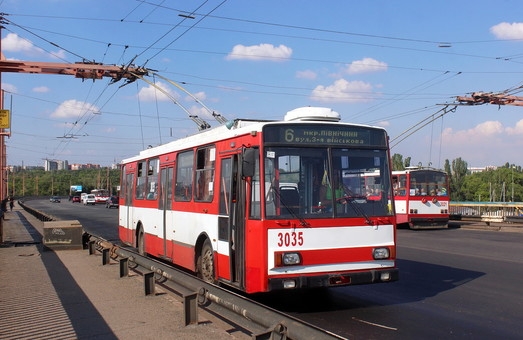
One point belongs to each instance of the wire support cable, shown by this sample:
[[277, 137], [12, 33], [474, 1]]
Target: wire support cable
[[202, 124], [416, 127]]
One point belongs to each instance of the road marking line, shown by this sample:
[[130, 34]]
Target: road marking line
[[375, 324]]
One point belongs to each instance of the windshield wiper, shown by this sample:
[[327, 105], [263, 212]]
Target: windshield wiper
[[350, 198], [303, 222]]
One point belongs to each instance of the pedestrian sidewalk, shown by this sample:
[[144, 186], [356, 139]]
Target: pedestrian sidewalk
[[69, 294]]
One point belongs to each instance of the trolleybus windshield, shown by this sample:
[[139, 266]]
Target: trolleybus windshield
[[323, 178]]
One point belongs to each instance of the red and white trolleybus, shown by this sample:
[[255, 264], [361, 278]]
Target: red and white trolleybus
[[266, 205], [421, 197]]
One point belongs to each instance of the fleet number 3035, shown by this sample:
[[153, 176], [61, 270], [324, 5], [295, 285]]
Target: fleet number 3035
[[290, 239]]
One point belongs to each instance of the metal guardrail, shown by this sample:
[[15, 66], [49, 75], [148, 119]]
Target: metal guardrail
[[36, 213], [488, 211], [273, 324], [481, 208], [267, 323]]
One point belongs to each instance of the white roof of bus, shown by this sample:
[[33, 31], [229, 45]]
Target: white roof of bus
[[239, 127], [414, 169]]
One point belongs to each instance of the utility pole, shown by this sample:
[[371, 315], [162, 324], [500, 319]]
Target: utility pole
[[83, 70], [3, 193]]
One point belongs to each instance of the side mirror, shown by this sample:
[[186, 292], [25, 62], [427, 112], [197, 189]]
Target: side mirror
[[248, 162]]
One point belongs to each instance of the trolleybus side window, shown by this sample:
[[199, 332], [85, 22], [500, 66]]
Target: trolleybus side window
[[152, 179], [399, 185], [184, 171], [204, 185], [140, 180], [255, 211], [225, 186]]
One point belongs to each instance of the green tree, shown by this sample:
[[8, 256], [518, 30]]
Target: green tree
[[447, 168], [458, 172], [47, 183], [397, 162], [407, 162]]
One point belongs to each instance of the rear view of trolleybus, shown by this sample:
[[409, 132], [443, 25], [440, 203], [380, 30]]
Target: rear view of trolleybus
[[267, 205]]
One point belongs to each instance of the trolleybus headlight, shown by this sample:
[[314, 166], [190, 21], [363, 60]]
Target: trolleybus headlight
[[287, 259], [380, 253], [291, 259]]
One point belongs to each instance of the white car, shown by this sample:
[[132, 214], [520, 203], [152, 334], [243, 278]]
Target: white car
[[89, 199]]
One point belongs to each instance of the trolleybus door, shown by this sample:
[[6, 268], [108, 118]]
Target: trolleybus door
[[164, 204], [232, 216], [128, 203]]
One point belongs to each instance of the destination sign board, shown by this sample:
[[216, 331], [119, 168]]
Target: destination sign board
[[324, 134]]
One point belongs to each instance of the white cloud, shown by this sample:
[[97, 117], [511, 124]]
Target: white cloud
[[306, 74], [343, 91], [60, 54], [13, 43], [506, 30], [41, 89], [366, 65], [153, 93], [73, 109], [260, 52], [517, 129], [487, 143], [488, 129], [201, 96], [9, 88]]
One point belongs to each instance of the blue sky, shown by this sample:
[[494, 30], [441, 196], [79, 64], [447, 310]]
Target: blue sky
[[387, 63]]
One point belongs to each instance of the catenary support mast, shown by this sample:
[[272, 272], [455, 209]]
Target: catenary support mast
[[83, 70]]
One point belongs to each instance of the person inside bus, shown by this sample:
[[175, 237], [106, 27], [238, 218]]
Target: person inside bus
[[183, 190], [327, 190]]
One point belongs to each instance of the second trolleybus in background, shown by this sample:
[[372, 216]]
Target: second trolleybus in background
[[266, 205], [421, 197]]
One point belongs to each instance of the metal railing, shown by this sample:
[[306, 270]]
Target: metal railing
[[487, 211], [268, 323]]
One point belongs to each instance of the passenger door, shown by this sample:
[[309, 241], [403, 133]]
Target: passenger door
[[165, 206], [232, 217]]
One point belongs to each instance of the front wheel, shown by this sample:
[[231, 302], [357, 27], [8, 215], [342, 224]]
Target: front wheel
[[205, 263]]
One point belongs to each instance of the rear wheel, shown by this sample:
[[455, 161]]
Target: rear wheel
[[205, 263], [141, 242]]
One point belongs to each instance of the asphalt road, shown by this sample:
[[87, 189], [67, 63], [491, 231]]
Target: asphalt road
[[454, 283], [95, 219]]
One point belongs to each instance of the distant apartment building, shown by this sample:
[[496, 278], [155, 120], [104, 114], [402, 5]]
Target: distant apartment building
[[52, 164], [77, 166], [474, 170], [17, 168]]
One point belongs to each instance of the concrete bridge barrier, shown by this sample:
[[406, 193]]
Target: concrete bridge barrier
[[60, 235]]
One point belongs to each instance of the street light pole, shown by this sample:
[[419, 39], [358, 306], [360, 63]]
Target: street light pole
[[512, 168]]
